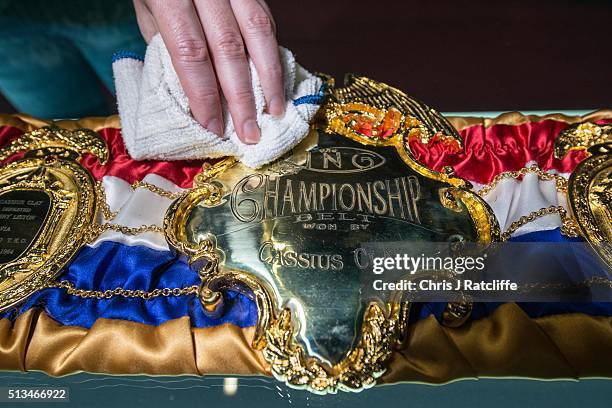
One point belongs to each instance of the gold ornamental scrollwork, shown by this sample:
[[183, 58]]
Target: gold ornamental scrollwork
[[589, 188], [48, 205], [52, 137], [581, 136], [590, 198], [243, 229]]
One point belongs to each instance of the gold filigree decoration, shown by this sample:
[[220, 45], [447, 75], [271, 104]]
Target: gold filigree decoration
[[210, 171], [589, 189], [590, 199], [72, 209], [362, 90], [79, 141], [581, 136], [359, 370], [362, 120], [51, 167], [374, 113]]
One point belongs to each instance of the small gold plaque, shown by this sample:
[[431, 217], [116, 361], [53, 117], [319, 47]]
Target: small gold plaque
[[47, 206]]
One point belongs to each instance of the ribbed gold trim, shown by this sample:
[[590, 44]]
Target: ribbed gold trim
[[28, 123], [516, 118]]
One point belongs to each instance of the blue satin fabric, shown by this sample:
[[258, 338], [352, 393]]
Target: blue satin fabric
[[575, 261], [111, 264]]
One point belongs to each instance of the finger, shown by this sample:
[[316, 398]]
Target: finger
[[257, 29], [266, 8], [226, 46], [145, 20], [182, 32]]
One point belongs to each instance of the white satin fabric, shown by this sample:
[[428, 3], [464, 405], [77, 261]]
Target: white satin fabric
[[135, 208]]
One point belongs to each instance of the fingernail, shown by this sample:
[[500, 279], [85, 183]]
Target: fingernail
[[276, 106], [214, 125], [250, 132]]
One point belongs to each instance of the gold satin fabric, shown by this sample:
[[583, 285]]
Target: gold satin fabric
[[516, 118], [37, 342], [28, 123], [506, 344]]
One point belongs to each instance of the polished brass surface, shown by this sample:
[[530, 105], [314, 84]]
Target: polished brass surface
[[289, 234], [47, 206], [589, 189], [590, 199]]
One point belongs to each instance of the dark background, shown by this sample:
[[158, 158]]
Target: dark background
[[459, 55]]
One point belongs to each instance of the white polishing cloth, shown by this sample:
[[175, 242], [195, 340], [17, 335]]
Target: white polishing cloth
[[157, 124]]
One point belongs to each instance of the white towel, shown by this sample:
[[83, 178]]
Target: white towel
[[157, 124]]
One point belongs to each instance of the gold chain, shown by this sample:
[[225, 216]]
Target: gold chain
[[157, 190], [121, 292], [109, 215], [101, 198], [560, 182], [587, 283], [96, 229], [568, 225]]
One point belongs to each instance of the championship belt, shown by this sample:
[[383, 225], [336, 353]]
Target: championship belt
[[278, 252]]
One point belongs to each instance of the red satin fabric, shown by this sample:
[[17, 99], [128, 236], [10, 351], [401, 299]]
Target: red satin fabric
[[487, 152], [120, 164], [490, 151]]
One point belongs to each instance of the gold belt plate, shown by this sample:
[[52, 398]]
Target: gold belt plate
[[288, 234]]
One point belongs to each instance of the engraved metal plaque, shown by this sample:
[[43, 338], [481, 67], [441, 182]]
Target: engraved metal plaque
[[22, 216], [290, 235], [47, 205]]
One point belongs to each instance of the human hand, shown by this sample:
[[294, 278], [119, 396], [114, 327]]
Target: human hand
[[206, 40]]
